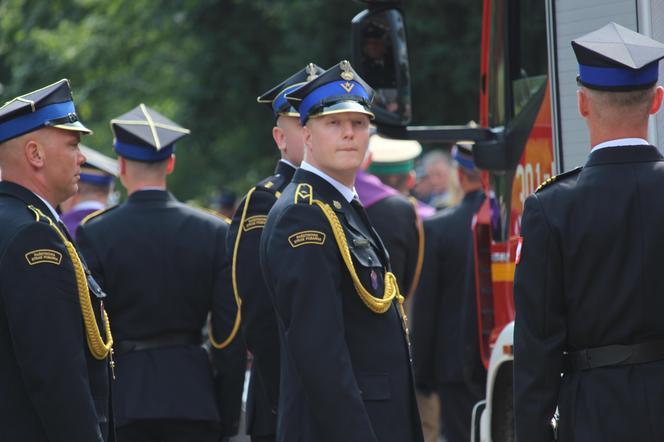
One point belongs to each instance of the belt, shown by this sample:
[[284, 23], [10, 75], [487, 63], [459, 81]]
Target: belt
[[614, 355], [162, 341]]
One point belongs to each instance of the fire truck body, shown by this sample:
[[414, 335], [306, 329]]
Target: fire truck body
[[530, 130]]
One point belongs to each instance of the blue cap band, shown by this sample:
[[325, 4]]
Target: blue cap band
[[102, 180], [462, 160], [280, 104], [618, 77], [141, 153], [29, 122], [335, 88]]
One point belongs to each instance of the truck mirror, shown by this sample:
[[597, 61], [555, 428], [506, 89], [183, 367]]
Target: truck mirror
[[380, 56]]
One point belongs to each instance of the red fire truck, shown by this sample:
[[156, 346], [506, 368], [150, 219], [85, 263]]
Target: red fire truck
[[529, 130]]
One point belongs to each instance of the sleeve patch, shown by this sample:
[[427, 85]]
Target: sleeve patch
[[307, 237], [44, 256], [254, 222]]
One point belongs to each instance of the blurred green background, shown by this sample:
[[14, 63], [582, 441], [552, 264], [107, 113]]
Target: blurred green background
[[202, 63]]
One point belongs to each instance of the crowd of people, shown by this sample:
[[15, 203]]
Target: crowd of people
[[346, 276]]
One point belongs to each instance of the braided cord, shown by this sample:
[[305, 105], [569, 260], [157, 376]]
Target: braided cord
[[236, 292], [98, 348], [376, 305], [420, 250]]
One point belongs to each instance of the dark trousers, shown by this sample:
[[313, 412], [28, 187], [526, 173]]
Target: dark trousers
[[456, 409], [270, 438], [169, 430]]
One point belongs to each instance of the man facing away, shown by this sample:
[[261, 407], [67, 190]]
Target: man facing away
[[588, 284], [258, 321], [164, 267], [55, 339], [345, 364]]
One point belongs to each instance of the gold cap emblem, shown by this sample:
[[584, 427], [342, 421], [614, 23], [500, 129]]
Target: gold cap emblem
[[311, 72], [346, 72]]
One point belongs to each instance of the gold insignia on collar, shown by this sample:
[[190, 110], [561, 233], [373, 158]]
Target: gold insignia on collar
[[311, 72], [303, 193], [304, 237], [346, 73], [44, 256], [336, 204], [347, 86], [254, 222]]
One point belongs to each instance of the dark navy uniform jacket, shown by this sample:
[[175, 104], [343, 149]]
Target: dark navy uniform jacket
[[163, 265], [345, 370], [590, 275], [395, 221], [52, 388], [445, 342], [259, 323]]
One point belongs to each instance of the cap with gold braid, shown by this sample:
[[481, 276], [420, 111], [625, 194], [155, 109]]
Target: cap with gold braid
[[143, 134], [50, 106], [339, 89], [275, 97]]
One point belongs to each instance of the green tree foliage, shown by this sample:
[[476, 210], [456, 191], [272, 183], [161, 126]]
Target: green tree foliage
[[203, 62]]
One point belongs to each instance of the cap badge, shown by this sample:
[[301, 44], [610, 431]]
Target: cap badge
[[311, 72], [346, 72], [347, 86]]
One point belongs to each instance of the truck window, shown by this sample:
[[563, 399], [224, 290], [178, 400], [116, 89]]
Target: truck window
[[528, 56], [518, 37]]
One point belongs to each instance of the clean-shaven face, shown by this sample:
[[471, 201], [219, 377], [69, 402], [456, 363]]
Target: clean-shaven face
[[337, 143]]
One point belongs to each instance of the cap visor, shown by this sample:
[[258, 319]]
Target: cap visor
[[344, 106], [76, 126]]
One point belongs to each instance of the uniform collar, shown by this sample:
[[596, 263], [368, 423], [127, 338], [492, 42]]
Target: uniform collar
[[620, 142], [345, 191], [631, 154], [55, 215], [150, 195], [28, 197], [285, 169]]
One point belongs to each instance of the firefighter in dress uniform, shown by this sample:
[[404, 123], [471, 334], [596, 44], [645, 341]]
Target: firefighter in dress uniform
[[55, 338], [345, 362], [588, 284], [258, 321], [164, 267]]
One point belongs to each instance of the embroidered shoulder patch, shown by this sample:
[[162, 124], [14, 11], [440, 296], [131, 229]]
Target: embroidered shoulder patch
[[307, 237], [254, 222], [44, 256]]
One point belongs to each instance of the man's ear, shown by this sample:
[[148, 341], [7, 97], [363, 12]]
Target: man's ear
[[279, 137], [170, 165], [582, 101], [307, 136], [35, 154], [657, 101], [123, 165]]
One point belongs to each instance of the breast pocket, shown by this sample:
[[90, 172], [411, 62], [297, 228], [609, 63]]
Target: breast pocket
[[367, 265]]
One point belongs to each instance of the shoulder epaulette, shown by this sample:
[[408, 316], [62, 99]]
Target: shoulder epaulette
[[558, 177], [273, 184], [97, 213], [304, 194]]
